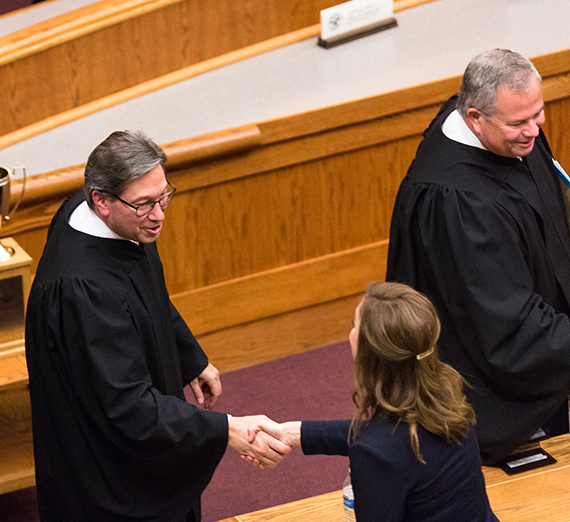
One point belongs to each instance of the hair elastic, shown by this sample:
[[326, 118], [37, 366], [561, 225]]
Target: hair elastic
[[420, 356]]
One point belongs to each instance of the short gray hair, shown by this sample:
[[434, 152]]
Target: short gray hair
[[121, 158], [489, 72]]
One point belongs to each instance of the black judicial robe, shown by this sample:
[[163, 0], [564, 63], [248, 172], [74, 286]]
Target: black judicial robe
[[485, 238], [108, 355]]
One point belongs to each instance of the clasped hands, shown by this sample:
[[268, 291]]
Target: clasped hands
[[261, 441]]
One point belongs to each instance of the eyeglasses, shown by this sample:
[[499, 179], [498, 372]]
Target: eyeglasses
[[146, 208]]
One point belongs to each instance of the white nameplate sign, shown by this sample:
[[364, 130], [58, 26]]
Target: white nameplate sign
[[345, 22]]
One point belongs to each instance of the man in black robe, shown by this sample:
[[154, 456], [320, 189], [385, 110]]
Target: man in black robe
[[108, 357], [479, 226]]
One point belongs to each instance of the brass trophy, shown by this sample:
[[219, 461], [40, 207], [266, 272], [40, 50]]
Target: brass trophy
[[5, 175]]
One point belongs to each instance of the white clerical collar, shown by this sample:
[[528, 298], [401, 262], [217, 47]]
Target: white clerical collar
[[83, 219], [455, 128]]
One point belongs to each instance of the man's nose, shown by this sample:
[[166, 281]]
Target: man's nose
[[531, 129], [156, 214]]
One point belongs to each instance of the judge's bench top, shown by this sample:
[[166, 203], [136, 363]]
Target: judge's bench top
[[432, 41]]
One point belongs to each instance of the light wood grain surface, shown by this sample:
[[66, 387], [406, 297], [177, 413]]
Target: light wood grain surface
[[541, 495]]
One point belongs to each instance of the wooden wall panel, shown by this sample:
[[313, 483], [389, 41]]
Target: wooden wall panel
[[556, 130], [282, 289], [245, 345], [282, 217]]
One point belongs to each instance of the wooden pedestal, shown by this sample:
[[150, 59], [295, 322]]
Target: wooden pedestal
[[14, 289], [16, 449]]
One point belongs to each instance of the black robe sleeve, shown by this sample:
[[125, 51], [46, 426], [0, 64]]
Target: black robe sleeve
[[193, 360], [103, 357]]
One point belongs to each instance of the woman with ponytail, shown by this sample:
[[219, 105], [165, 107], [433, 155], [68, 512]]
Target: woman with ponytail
[[412, 448]]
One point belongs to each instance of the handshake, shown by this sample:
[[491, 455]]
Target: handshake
[[261, 441]]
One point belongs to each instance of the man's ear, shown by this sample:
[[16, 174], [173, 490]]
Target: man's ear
[[101, 203], [473, 120]]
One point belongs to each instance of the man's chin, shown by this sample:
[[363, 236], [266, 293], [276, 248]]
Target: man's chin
[[151, 234], [524, 149], [147, 237]]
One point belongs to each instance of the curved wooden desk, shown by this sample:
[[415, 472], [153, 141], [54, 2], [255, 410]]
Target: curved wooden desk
[[541, 494]]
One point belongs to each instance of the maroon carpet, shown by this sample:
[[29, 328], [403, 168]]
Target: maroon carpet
[[7, 6], [315, 385]]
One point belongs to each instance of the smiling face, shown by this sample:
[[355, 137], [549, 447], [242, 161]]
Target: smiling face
[[514, 125], [122, 219]]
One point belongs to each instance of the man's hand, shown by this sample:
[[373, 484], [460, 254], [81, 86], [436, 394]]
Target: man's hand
[[262, 450], [207, 387]]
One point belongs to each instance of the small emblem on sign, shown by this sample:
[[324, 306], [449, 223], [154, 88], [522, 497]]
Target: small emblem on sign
[[334, 21]]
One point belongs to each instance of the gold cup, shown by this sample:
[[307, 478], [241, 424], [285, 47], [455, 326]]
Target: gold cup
[[5, 175]]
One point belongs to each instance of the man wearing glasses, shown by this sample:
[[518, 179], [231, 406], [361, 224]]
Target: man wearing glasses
[[479, 226], [108, 357]]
